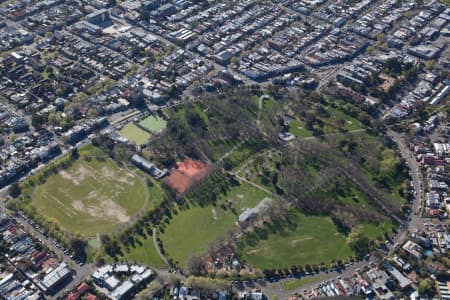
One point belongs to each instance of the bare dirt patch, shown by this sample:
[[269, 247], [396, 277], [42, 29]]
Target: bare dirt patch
[[75, 177], [254, 251], [106, 209], [214, 214], [78, 205], [187, 173], [294, 242], [388, 81], [107, 172]]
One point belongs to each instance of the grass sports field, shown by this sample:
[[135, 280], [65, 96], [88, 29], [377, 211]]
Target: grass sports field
[[153, 124], [314, 240], [192, 230], [94, 195], [134, 134]]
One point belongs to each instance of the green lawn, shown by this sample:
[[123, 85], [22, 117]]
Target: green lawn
[[144, 252], [156, 194], [245, 151], [314, 240], [201, 112], [298, 129], [153, 124], [220, 147], [91, 196], [192, 230], [293, 284], [374, 231], [134, 134], [244, 196], [337, 116]]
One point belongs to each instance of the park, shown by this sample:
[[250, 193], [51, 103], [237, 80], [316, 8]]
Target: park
[[92, 196]]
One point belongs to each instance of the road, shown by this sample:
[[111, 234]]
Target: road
[[415, 221], [80, 272], [275, 289]]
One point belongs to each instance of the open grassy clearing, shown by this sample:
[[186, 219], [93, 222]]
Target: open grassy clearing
[[244, 152], [153, 124], [374, 231], [191, 230], [339, 117], [142, 249], [143, 252], [93, 195], [314, 240], [293, 284], [298, 129], [134, 134], [219, 147]]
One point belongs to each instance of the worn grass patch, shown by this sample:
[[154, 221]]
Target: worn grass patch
[[93, 195]]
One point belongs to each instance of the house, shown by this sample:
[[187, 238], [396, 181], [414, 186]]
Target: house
[[122, 291], [148, 166], [414, 250], [286, 136], [402, 281], [99, 18], [55, 278], [164, 10]]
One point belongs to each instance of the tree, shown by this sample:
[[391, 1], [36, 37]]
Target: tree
[[208, 285], [14, 190], [38, 120], [78, 247], [429, 64], [227, 164], [195, 265], [358, 241], [381, 38], [427, 287], [74, 153], [149, 292]]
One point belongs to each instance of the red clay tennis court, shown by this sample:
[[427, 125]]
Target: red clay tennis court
[[186, 174]]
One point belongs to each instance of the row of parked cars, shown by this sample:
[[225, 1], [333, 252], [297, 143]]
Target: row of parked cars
[[42, 231]]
